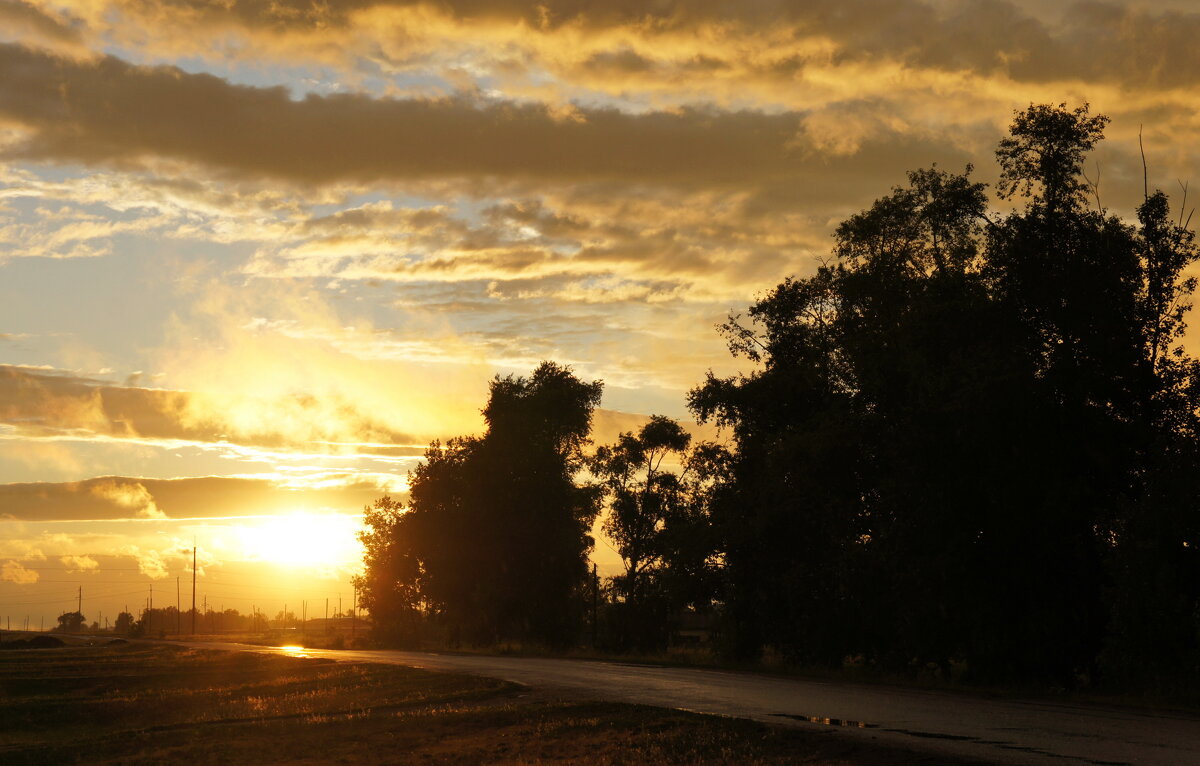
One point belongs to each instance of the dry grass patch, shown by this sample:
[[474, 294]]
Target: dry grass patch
[[153, 704]]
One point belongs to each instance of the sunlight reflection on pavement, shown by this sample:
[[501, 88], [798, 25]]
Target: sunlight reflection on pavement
[[996, 730]]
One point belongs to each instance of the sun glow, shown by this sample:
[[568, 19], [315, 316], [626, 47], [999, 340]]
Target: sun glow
[[304, 540]]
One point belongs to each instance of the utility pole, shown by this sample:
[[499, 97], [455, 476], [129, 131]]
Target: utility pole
[[303, 619], [151, 615], [79, 605], [327, 614], [178, 609], [193, 588], [595, 601], [354, 614]]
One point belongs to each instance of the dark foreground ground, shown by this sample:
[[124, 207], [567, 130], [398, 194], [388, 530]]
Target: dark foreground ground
[[152, 704]]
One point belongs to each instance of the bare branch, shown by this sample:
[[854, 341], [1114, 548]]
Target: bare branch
[[1145, 172], [1095, 187], [1183, 204]]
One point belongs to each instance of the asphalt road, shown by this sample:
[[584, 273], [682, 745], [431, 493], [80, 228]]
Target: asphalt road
[[1000, 731]]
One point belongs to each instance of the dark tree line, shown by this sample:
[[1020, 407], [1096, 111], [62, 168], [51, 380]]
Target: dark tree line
[[967, 440], [971, 439]]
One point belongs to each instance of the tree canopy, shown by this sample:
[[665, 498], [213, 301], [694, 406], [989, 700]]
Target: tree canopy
[[495, 537], [971, 441], [659, 490]]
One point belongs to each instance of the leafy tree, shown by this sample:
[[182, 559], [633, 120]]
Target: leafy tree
[[390, 586], [962, 433], [71, 622], [124, 624], [658, 518], [643, 494], [495, 537]]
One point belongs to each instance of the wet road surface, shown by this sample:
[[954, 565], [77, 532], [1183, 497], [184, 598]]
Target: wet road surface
[[1001, 731]]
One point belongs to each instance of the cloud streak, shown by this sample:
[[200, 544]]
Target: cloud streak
[[185, 499], [112, 112]]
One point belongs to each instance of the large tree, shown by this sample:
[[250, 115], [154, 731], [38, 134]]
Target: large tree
[[968, 432], [493, 543]]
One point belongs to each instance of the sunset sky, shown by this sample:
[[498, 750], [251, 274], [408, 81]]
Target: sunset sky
[[255, 255]]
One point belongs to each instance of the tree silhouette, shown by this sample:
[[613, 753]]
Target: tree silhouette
[[971, 441], [495, 537], [71, 622], [658, 491]]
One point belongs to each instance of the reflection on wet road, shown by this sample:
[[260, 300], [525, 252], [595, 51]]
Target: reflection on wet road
[[1002, 731]]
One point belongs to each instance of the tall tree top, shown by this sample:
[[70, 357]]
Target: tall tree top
[[1044, 154], [551, 406]]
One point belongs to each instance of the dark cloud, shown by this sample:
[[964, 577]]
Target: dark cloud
[[19, 16], [110, 111], [186, 498]]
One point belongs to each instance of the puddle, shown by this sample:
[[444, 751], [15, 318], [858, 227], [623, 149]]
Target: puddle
[[936, 735], [845, 723], [827, 721]]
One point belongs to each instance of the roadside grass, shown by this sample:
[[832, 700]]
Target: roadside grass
[[159, 703]]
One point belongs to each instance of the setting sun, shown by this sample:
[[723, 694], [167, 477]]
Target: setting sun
[[303, 540]]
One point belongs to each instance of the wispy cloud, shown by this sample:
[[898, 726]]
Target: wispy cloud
[[79, 563], [15, 572], [129, 495]]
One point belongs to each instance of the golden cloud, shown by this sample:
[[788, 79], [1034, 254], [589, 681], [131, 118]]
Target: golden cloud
[[151, 563], [132, 496], [79, 563], [41, 402], [14, 572]]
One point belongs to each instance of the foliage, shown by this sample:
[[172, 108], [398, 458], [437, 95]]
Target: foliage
[[71, 622], [659, 520], [494, 540], [972, 440]]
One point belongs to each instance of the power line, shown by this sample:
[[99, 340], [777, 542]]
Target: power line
[[66, 598]]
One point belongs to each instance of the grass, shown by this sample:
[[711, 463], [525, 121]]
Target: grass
[[159, 703]]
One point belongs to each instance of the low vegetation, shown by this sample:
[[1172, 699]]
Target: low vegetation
[[141, 704]]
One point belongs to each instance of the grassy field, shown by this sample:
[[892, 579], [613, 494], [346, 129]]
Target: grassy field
[[152, 704]]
